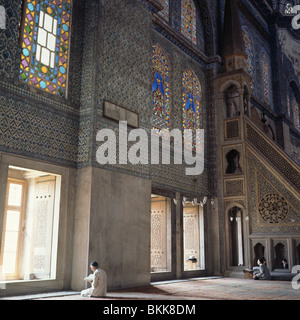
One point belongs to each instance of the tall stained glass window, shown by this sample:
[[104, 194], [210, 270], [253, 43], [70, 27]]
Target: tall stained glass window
[[188, 20], [46, 44], [293, 106], [165, 12], [266, 77], [250, 55], [160, 91], [289, 106], [296, 114], [191, 104], [291, 98], [288, 8]]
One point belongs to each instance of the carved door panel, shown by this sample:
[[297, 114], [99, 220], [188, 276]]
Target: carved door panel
[[43, 223], [191, 237], [158, 236]]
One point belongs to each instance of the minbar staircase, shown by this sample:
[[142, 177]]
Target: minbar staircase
[[273, 154], [284, 169]]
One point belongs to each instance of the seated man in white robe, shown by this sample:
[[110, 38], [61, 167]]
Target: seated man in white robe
[[98, 281]]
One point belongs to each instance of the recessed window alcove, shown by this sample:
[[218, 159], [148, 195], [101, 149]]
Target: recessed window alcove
[[235, 237], [30, 225]]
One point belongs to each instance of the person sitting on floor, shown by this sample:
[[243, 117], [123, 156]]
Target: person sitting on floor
[[98, 281], [263, 272], [285, 264]]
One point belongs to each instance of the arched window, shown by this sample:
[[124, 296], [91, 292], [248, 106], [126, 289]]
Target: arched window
[[46, 44], [296, 114], [288, 8], [160, 91], [266, 77], [250, 56], [293, 105], [165, 12], [188, 20], [289, 106], [191, 104]]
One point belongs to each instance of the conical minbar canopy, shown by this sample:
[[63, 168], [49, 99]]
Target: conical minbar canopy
[[233, 39]]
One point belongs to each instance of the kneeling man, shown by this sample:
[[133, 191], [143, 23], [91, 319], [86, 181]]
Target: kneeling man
[[98, 281]]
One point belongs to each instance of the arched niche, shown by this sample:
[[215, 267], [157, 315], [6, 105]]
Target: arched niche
[[270, 132], [298, 254], [232, 102], [235, 234], [246, 101], [259, 252], [233, 162], [279, 255]]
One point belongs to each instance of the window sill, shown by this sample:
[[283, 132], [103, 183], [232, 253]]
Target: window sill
[[13, 281], [25, 287]]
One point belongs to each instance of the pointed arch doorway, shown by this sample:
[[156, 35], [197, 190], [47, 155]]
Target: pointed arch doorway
[[236, 231]]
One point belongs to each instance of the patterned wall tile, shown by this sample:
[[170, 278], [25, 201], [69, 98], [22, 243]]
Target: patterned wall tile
[[9, 40], [111, 59], [36, 131]]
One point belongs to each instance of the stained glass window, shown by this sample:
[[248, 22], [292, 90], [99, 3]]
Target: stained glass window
[[289, 106], [160, 91], [290, 101], [45, 45], [250, 55], [165, 12], [288, 8], [293, 106], [296, 114], [266, 77], [188, 20], [191, 104]]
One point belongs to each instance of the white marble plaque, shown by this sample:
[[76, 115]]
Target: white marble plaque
[[118, 113]]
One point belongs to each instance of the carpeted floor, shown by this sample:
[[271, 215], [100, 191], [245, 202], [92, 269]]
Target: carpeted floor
[[204, 289]]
